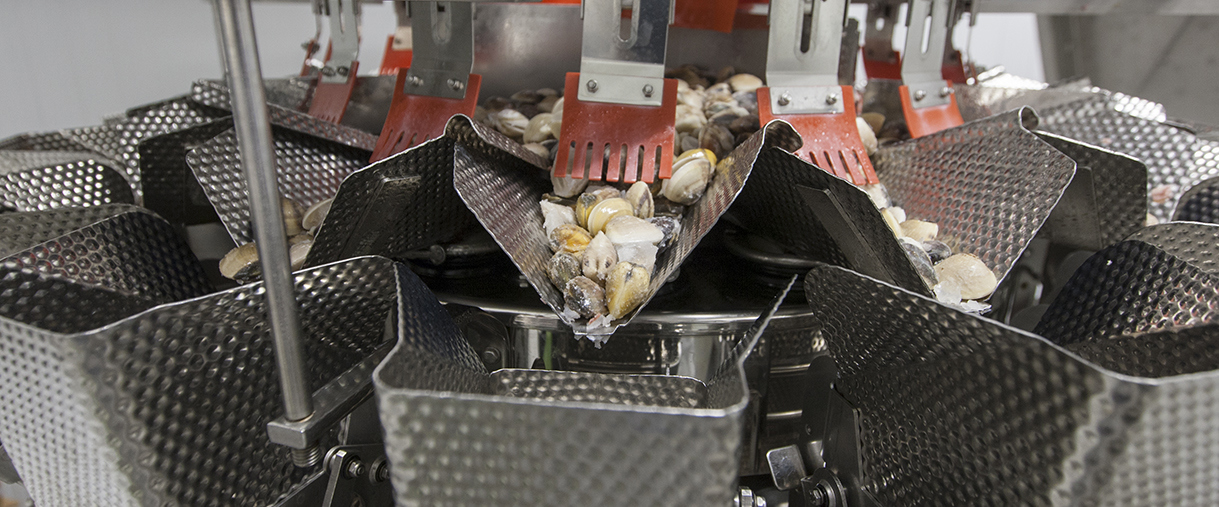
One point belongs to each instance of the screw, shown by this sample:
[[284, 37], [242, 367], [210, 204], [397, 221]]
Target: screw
[[456, 85], [354, 469], [785, 99], [592, 86], [380, 471], [920, 95], [945, 91], [327, 71], [414, 80], [815, 497], [343, 71], [647, 90], [831, 99], [306, 458], [491, 356]]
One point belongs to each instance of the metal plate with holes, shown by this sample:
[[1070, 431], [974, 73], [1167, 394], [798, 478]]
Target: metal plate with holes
[[41, 180], [1133, 287], [989, 184], [1106, 201], [118, 247], [456, 434], [309, 170], [119, 141], [287, 102], [402, 203], [501, 183], [169, 406], [960, 410], [1176, 158]]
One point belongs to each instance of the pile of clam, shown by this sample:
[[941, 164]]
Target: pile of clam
[[300, 225], [606, 238]]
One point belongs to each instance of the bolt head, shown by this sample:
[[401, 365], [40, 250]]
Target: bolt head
[[920, 95], [343, 71], [945, 91], [785, 99], [831, 99], [414, 81], [355, 469], [591, 85], [648, 90], [491, 356], [456, 85], [327, 71]]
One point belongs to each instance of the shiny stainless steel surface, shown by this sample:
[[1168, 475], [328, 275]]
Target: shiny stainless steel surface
[[253, 126]]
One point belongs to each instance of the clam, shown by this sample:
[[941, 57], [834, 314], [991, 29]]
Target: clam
[[937, 250], [691, 173], [480, 114], [496, 103], [556, 120], [717, 138], [867, 135], [537, 149], [538, 128], [604, 192], [240, 263], [718, 106], [568, 186], [605, 211], [669, 227], [625, 288], [554, 215], [745, 82], [898, 213], [691, 98], [689, 119], [583, 296], [687, 142], [719, 92], [315, 215], [509, 122], [569, 238], [562, 268], [584, 206], [747, 100], [626, 229], [969, 273], [919, 230], [891, 222], [526, 97], [745, 125], [641, 254], [599, 257], [547, 104], [298, 250], [1150, 220], [878, 193], [874, 120], [1161, 194], [640, 197], [728, 115], [292, 216]]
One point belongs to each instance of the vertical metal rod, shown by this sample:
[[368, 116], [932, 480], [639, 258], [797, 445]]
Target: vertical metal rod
[[236, 29]]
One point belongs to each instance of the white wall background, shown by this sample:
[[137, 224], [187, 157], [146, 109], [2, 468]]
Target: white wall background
[[72, 62]]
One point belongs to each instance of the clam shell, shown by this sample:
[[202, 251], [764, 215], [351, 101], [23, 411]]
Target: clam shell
[[292, 216], [745, 82], [919, 230], [625, 288], [607, 210], [538, 129], [315, 215], [238, 259], [509, 122], [688, 181], [867, 135], [583, 296], [562, 268], [568, 186], [569, 238], [626, 229], [640, 197], [599, 258], [554, 215], [967, 271]]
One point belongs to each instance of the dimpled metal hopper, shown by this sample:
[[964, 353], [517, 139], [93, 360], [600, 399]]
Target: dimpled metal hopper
[[1150, 282], [287, 103], [959, 410], [117, 247], [41, 141], [169, 405], [40, 180], [502, 182], [1200, 203], [309, 170], [170, 187], [1176, 158], [1106, 201], [989, 184], [397, 205], [456, 434]]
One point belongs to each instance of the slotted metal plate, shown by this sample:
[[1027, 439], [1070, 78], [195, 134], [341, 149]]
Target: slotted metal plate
[[41, 180], [456, 434], [960, 410], [501, 183], [169, 406], [309, 170], [399, 204]]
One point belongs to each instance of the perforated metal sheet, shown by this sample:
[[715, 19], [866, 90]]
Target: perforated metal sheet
[[989, 184], [1176, 159], [41, 180], [309, 170], [771, 205], [1105, 203], [399, 204], [501, 183], [121, 247], [1131, 287], [118, 141], [169, 406], [960, 410], [281, 101], [456, 435]]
